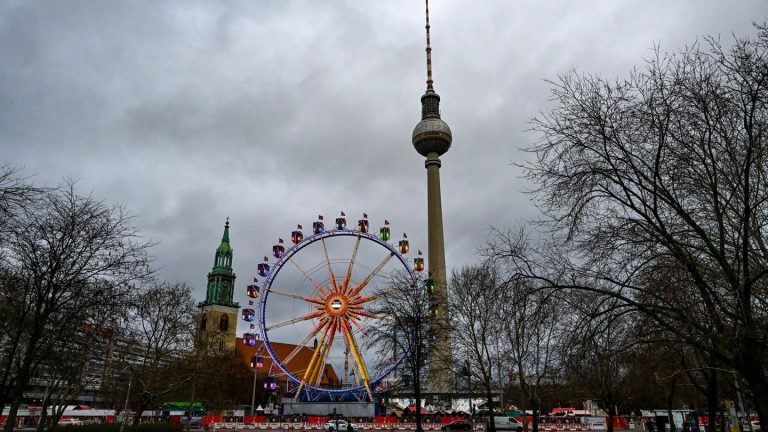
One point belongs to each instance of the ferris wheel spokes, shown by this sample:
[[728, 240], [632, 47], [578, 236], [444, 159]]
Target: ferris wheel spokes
[[306, 275], [320, 366], [313, 333], [306, 317], [330, 268], [311, 364], [358, 311], [372, 297], [319, 355], [371, 275], [359, 362], [296, 296], [348, 277], [322, 324]]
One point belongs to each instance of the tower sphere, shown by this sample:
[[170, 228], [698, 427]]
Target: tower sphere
[[431, 134]]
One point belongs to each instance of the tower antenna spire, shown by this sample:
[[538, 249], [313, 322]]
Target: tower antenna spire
[[429, 53]]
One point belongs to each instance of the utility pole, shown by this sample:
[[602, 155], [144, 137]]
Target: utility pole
[[469, 388], [256, 364], [191, 403], [253, 392], [125, 405]]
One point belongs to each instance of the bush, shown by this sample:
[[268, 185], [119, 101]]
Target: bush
[[115, 427]]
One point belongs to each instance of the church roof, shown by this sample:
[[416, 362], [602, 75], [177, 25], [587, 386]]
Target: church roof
[[297, 365]]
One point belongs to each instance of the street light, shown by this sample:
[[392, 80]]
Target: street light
[[256, 364], [468, 373], [125, 405]]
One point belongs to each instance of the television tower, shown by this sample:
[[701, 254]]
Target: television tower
[[432, 138]]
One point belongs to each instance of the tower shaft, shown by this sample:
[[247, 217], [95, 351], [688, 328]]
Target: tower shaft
[[440, 357], [431, 138]]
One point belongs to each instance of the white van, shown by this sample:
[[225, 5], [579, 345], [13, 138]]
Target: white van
[[506, 423]]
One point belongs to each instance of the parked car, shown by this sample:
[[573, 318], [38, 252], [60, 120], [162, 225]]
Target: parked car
[[506, 423], [342, 425], [70, 422], [458, 425]]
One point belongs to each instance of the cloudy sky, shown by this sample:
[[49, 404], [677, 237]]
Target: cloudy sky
[[272, 112]]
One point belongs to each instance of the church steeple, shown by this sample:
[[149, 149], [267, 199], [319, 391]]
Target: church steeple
[[223, 261], [221, 279], [217, 319]]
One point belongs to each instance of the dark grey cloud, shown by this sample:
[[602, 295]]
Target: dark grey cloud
[[272, 112]]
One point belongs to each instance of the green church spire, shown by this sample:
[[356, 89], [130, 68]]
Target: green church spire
[[221, 279], [223, 261]]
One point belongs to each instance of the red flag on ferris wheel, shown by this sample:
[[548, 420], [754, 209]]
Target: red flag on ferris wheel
[[386, 222], [365, 215], [342, 213], [266, 259], [405, 236], [299, 226], [279, 240], [319, 217]]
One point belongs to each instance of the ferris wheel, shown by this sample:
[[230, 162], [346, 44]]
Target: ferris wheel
[[318, 306]]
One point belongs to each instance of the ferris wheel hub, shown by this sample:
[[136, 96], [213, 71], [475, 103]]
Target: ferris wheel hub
[[336, 305]]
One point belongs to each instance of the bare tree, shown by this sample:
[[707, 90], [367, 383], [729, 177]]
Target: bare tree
[[78, 363], [596, 351], [533, 330], [164, 322], [533, 315], [476, 303], [65, 256], [16, 195], [405, 328], [667, 166]]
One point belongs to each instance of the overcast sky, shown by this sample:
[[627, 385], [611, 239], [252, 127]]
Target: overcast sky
[[272, 112]]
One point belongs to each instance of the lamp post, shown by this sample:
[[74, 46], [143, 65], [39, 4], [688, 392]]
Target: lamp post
[[253, 392], [469, 389], [125, 405], [256, 364]]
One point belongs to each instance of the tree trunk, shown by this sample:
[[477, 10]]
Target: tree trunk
[[25, 372], [10, 422], [489, 395], [44, 412], [137, 414], [417, 398], [759, 388], [18, 390], [523, 407], [4, 383], [670, 395], [712, 401], [43, 419], [417, 379], [611, 415]]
